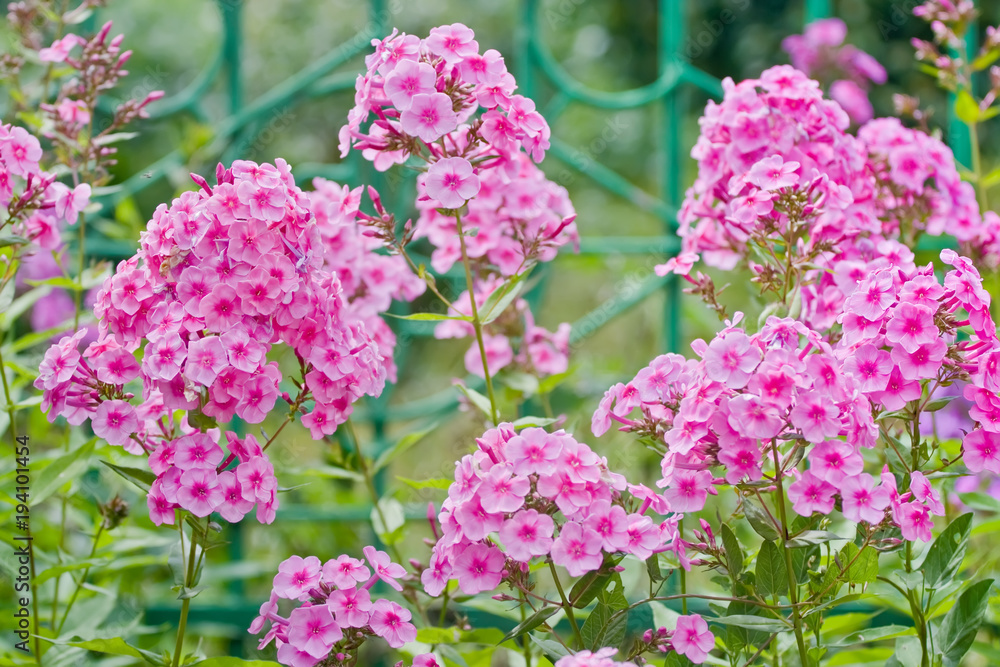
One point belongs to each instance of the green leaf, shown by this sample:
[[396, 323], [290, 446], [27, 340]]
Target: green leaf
[[402, 445], [6, 241], [229, 661], [734, 554], [945, 556], [427, 483], [61, 471], [752, 623], [991, 179], [872, 635], [985, 59], [966, 107], [908, 653], [395, 518], [7, 295], [552, 649], [936, 404], [959, 627], [527, 422], [142, 478], [770, 575], [430, 317], [117, 646], [530, 623], [497, 302], [114, 137], [437, 635], [811, 537], [477, 399], [864, 656], [603, 628], [759, 520]]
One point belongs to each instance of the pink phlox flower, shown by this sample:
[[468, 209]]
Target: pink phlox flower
[[862, 500], [391, 622], [773, 173], [692, 638], [296, 577], [578, 549], [810, 494], [479, 568], [527, 534], [384, 568], [345, 572], [313, 630], [731, 358]]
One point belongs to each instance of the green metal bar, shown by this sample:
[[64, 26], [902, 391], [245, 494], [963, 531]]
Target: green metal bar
[[817, 9], [672, 23]]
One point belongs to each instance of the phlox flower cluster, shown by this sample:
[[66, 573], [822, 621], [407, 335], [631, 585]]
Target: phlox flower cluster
[[820, 52], [38, 206], [532, 495], [768, 155], [723, 418], [900, 341], [540, 352], [370, 280], [334, 613], [222, 275], [192, 474], [425, 90], [518, 215]]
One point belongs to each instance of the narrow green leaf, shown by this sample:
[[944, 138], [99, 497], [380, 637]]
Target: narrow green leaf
[[734, 554], [430, 317], [477, 399], [142, 478], [61, 471], [426, 483], [497, 302], [771, 575], [752, 623], [959, 627], [759, 520], [530, 623], [812, 537], [945, 556], [966, 107], [402, 445]]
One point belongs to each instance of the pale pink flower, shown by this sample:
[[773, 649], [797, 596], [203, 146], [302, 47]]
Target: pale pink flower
[[452, 181]]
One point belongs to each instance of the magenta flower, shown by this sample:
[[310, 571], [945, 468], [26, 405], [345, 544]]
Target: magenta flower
[[816, 417], [429, 117], [384, 568], [611, 523], [199, 492], [982, 451], [692, 638], [911, 326], [533, 450], [390, 622], [871, 366], [862, 500], [115, 421], [407, 79], [60, 49], [898, 390], [915, 522], [453, 42], [833, 460], [773, 173], [351, 607], [731, 359], [578, 549], [528, 534], [479, 568], [872, 297], [923, 362], [811, 494], [452, 181], [206, 359], [20, 152], [313, 630], [296, 576], [345, 572], [688, 490], [753, 417]]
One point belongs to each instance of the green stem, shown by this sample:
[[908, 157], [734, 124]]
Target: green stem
[[683, 572], [793, 585], [186, 604], [525, 641], [476, 324], [567, 607], [83, 579], [370, 484]]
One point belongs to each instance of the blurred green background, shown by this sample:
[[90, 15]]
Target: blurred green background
[[244, 60]]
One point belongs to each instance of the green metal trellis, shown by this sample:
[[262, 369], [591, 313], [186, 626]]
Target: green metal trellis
[[537, 69]]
